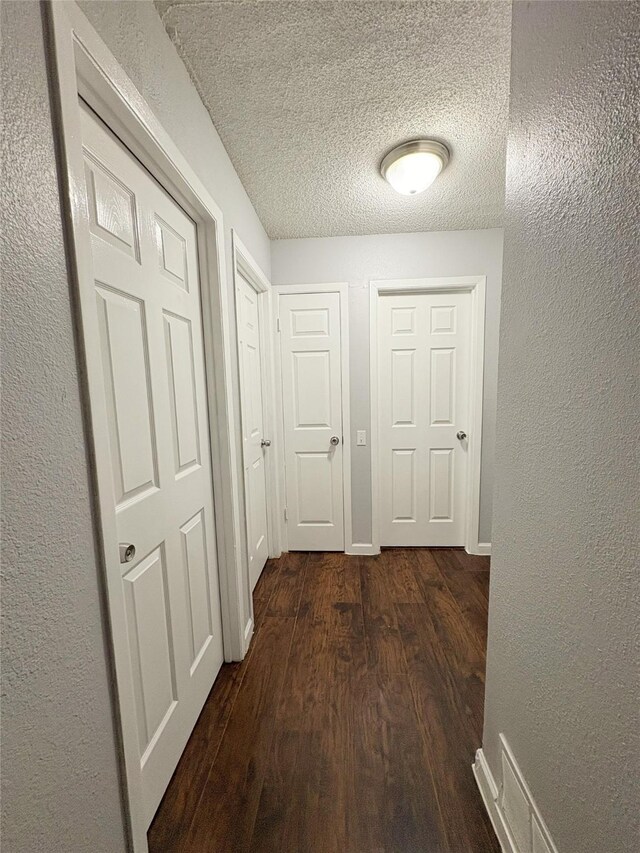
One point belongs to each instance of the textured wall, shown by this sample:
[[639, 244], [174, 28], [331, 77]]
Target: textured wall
[[359, 259], [59, 773], [563, 660]]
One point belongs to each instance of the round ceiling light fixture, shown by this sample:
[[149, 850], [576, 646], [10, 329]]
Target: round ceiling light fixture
[[412, 167]]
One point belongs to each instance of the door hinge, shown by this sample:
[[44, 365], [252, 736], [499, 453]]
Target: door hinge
[[277, 324], [286, 514]]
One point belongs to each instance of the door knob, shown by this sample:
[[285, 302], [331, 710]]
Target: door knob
[[127, 552], [461, 435], [266, 442], [334, 440]]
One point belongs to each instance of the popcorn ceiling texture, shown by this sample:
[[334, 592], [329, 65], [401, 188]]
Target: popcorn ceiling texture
[[563, 675], [309, 96]]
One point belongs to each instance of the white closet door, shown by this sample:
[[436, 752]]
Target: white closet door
[[311, 352], [147, 296], [248, 321], [423, 358]]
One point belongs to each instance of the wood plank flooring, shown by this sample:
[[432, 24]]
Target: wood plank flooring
[[353, 722]]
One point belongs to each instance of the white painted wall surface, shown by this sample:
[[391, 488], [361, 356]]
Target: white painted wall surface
[[60, 786], [59, 767], [360, 259], [563, 679]]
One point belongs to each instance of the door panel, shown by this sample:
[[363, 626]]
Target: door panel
[[182, 392], [311, 389], [126, 369], [251, 382], [150, 336], [194, 550], [151, 652], [311, 360], [423, 387]]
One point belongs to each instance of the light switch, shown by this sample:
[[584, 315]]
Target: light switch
[[361, 437]]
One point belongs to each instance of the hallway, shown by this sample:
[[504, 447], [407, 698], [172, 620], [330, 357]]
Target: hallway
[[352, 724]]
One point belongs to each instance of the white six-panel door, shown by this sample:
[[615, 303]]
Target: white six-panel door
[[147, 297], [251, 373], [311, 362], [423, 396]]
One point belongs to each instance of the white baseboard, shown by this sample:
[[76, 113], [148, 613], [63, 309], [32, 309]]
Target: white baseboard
[[512, 810], [489, 792], [364, 548], [482, 549]]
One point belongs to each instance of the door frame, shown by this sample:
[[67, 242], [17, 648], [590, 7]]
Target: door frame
[[245, 264], [476, 286], [82, 65], [341, 288]]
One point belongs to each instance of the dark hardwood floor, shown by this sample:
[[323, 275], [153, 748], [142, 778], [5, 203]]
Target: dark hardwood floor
[[353, 722]]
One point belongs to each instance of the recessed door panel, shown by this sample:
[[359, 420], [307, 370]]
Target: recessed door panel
[[312, 389], [182, 392], [403, 387], [194, 549], [442, 386], [314, 478], [403, 485], [112, 208], [149, 620], [172, 253], [441, 484], [403, 320], [254, 409], [310, 322], [258, 504], [123, 340], [443, 319]]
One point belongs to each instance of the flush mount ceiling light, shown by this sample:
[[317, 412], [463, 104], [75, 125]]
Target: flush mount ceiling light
[[412, 167]]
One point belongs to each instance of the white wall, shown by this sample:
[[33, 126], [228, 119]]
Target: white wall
[[59, 762], [360, 259], [563, 676]]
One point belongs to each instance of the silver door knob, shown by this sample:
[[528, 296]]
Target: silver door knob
[[334, 440], [461, 435], [266, 442], [127, 552]]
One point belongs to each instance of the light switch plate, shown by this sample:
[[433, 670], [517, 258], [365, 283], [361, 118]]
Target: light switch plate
[[361, 437]]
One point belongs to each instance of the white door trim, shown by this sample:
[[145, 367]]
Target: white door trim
[[476, 285], [342, 288], [245, 264], [83, 65]]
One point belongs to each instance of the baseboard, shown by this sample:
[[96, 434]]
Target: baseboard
[[489, 793], [482, 549], [512, 810], [248, 633], [363, 548]]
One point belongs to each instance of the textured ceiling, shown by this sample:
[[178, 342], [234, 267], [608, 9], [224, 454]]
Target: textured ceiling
[[308, 95]]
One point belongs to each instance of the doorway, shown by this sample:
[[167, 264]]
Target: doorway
[[153, 391], [427, 345], [312, 326], [254, 335]]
